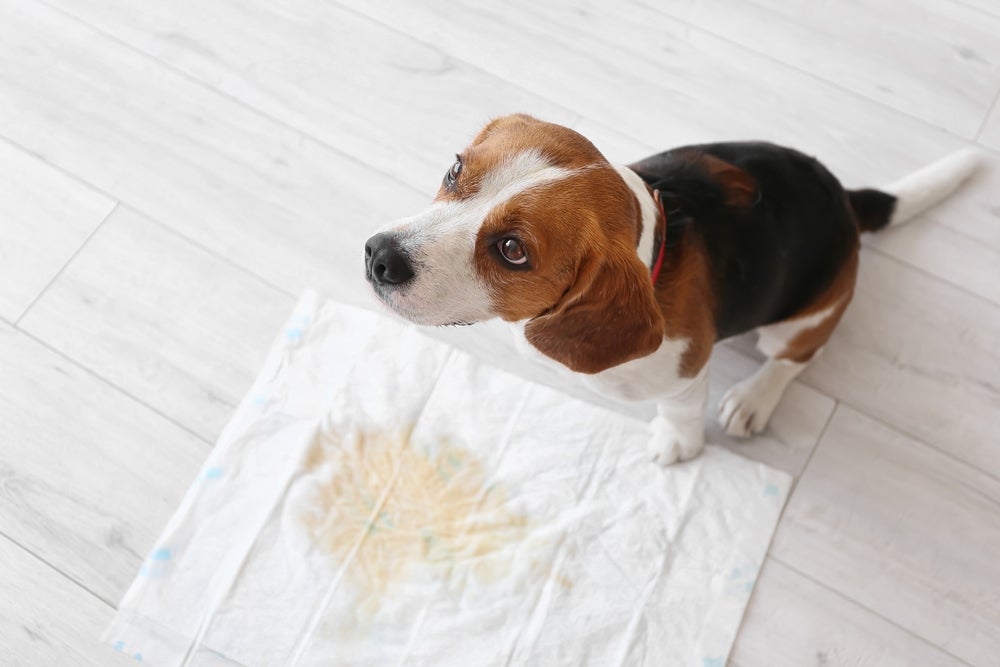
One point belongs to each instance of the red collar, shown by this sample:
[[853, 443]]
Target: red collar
[[658, 264]]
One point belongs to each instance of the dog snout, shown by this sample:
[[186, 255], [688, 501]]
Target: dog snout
[[385, 262]]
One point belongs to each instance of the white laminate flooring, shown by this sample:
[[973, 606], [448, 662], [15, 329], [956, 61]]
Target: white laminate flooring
[[172, 175]]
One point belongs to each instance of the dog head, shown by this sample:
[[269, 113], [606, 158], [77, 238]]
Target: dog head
[[531, 223]]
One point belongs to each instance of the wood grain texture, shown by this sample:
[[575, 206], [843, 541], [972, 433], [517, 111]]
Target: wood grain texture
[[791, 620], [88, 476], [180, 329], [381, 96], [46, 619], [929, 245], [669, 84], [984, 6], [252, 189], [873, 49], [990, 135], [45, 217], [919, 354], [904, 530]]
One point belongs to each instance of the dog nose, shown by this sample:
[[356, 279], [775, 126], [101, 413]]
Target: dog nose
[[385, 263]]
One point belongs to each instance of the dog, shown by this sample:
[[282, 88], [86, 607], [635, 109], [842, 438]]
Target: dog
[[628, 275]]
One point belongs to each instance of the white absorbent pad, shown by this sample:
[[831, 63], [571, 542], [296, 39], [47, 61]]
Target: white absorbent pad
[[380, 498]]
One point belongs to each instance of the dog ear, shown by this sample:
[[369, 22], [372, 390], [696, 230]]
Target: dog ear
[[702, 183], [607, 317], [738, 187]]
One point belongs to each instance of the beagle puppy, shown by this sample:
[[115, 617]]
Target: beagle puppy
[[627, 275]]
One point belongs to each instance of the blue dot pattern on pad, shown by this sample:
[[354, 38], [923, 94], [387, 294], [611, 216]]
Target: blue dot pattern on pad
[[120, 646], [156, 565], [740, 580]]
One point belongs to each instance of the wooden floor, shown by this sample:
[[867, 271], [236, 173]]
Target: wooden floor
[[173, 175]]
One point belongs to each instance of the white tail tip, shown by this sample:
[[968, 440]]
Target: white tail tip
[[924, 188]]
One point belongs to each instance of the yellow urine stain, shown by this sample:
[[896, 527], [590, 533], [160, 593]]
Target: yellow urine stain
[[384, 506]]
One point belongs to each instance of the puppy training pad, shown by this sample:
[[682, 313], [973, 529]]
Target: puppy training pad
[[380, 498]]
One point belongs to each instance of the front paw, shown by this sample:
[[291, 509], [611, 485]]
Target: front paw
[[669, 444]]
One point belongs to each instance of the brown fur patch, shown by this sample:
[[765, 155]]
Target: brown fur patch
[[740, 187], [805, 344], [685, 297], [511, 135], [563, 225]]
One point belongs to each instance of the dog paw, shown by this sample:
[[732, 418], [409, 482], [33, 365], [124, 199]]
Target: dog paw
[[669, 444], [746, 408]]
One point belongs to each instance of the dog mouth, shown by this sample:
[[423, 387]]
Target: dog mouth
[[390, 299]]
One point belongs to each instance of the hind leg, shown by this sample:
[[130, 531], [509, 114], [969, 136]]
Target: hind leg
[[790, 345], [747, 406]]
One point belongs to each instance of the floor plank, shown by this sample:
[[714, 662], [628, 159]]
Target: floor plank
[[252, 189], [45, 217], [792, 620], [375, 93], [919, 354], [984, 6], [670, 86], [938, 60], [172, 325], [930, 245], [990, 135], [904, 530], [46, 619], [88, 476]]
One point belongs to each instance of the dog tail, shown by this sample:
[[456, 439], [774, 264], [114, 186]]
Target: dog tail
[[914, 194]]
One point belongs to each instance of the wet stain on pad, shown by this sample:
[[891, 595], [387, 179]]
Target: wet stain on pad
[[386, 507]]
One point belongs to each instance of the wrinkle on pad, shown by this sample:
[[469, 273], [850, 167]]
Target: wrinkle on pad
[[380, 498]]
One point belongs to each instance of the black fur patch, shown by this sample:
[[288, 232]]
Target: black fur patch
[[772, 258], [872, 208]]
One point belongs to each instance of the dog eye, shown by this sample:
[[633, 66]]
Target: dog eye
[[512, 250], [454, 172]]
